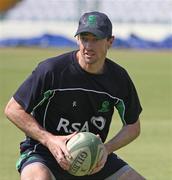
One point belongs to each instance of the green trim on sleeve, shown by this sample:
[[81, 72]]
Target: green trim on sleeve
[[120, 106], [47, 94]]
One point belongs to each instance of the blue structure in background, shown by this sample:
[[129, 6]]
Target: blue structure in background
[[45, 40], [49, 40]]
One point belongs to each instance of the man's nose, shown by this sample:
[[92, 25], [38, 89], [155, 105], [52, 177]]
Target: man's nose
[[88, 45]]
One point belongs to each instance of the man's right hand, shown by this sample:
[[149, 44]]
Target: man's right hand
[[58, 148]]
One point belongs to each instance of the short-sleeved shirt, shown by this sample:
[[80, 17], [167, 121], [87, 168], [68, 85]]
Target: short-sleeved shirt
[[64, 98]]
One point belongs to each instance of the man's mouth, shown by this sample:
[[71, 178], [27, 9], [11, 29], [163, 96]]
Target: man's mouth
[[89, 54]]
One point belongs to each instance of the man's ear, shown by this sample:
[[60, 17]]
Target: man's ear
[[77, 40], [111, 40]]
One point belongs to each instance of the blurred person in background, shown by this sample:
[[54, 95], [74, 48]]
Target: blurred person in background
[[76, 91]]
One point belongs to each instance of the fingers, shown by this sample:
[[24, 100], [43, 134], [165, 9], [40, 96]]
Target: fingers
[[61, 159], [57, 146], [70, 135], [64, 164], [95, 170], [100, 163], [63, 154], [99, 137], [98, 167], [65, 150]]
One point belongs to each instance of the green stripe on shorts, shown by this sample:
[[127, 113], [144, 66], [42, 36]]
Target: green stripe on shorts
[[21, 158]]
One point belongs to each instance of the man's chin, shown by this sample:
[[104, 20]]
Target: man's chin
[[90, 60]]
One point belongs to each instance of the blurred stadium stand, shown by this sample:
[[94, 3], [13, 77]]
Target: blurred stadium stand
[[132, 19], [123, 11]]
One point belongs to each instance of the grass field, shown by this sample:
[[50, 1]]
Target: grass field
[[150, 154]]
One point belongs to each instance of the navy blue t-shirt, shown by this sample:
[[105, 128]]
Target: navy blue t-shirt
[[64, 98]]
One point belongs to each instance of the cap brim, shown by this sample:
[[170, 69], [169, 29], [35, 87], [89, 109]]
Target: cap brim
[[97, 33]]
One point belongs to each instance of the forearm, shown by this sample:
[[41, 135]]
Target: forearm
[[126, 135], [29, 125], [26, 122]]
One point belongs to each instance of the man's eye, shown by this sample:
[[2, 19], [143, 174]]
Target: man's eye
[[84, 39], [96, 39], [91, 40]]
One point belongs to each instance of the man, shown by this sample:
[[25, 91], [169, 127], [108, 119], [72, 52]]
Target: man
[[76, 91]]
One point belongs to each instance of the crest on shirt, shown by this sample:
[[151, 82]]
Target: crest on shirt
[[105, 107]]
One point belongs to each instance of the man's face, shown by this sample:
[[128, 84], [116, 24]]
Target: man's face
[[92, 49]]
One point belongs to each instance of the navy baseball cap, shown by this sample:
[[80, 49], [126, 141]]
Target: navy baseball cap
[[96, 23]]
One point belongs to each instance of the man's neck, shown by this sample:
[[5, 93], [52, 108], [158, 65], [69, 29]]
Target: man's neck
[[96, 68]]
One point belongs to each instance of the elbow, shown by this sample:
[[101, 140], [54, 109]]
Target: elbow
[[138, 132], [134, 129], [7, 111], [137, 129], [10, 109]]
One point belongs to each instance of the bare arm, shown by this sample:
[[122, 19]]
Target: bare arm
[[126, 135], [27, 123]]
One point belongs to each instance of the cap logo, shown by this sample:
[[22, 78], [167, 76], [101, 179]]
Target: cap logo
[[91, 21]]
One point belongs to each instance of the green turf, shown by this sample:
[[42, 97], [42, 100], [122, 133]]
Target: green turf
[[151, 153]]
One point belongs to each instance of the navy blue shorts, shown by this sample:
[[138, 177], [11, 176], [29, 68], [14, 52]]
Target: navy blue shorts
[[113, 164]]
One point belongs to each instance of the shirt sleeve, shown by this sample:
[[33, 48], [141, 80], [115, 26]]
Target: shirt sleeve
[[31, 91], [129, 107]]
